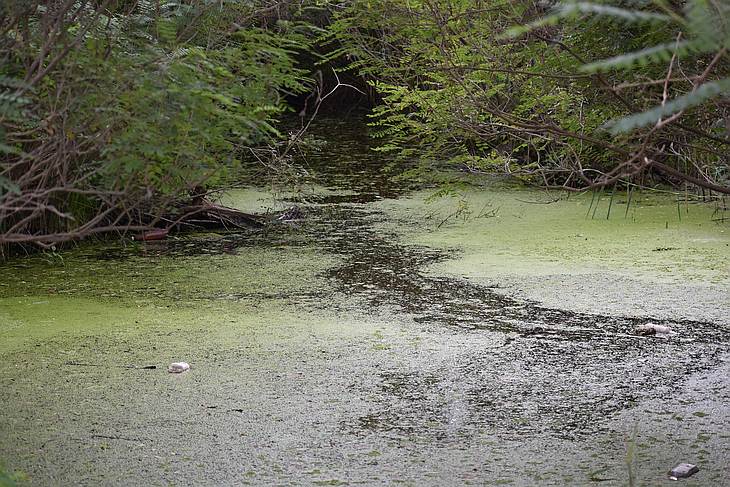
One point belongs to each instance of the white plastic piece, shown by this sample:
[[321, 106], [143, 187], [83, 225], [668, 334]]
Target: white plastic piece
[[178, 367], [652, 329]]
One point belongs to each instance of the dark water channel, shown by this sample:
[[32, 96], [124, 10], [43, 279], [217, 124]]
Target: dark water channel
[[558, 372]]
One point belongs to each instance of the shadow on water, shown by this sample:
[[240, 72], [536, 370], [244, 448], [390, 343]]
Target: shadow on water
[[545, 370], [345, 159]]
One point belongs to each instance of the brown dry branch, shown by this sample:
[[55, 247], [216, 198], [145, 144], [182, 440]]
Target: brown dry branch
[[60, 190], [641, 155], [43, 174]]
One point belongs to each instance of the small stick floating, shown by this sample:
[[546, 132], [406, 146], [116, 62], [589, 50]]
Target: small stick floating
[[157, 234]]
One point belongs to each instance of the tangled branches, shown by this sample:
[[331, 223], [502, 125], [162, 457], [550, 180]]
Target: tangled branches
[[461, 84], [112, 112]]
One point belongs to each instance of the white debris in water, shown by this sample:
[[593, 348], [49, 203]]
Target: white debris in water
[[652, 329], [178, 367]]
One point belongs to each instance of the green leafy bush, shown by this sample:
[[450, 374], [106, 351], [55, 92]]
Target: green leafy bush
[[574, 97], [702, 29], [128, 106]]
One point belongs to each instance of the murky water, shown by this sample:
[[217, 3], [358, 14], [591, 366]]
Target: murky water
[[363, 345]]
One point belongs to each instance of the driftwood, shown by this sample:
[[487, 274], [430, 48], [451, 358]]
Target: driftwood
[[207, 215], [201, 214]]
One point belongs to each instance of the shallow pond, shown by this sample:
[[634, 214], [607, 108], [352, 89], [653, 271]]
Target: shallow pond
[[483, 339]]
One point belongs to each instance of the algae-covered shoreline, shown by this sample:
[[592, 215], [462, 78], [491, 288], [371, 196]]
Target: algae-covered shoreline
[[645, 260], [367, 345]]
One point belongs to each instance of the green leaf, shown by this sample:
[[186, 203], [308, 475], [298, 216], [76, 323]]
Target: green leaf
[[631, 16], [660, 53], [8, 186], [570, 10], [697, 97]]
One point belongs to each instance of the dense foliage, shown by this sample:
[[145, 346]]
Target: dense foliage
[[114, 110], [576, 96]]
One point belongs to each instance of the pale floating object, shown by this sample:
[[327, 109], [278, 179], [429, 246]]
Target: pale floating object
[[292, 214], [682, 471], [178, 367], [652, 329]]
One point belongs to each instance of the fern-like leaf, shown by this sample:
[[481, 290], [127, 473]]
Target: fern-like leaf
[[621, 14], [696, 97], [6, 185], [658, 53], [708, 24], [572, 10]]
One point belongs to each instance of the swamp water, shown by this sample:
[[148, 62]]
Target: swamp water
[[378, 342]]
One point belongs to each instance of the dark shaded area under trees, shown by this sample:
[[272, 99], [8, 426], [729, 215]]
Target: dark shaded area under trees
[[114, 113]]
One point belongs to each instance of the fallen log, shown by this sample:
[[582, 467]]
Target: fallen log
[[207, 215]]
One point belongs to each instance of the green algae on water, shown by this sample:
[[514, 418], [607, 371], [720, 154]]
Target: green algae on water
[[546, 248], [530, 233]]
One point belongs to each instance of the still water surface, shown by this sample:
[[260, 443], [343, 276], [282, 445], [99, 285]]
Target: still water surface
[[377, 341]]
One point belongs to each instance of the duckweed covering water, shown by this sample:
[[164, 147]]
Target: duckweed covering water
[[367, 345], [529, 233], [644, 261]]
